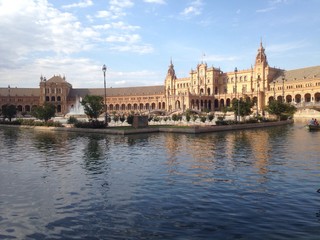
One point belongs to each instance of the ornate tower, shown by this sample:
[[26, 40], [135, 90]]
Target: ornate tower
[[261, 69], [170, 86]]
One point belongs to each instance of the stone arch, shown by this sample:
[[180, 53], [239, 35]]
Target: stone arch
[[19, 108], [297, 98], [279, 98], [216, 103], [317, 97], [221, 102], [177, 105], [288, 98], [27, 108], [209, 105], [307, 97], [228, 102], [271, 99]]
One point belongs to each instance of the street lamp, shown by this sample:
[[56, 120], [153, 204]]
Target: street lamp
[[258, 86], [274, 90], [235, 74], [283, 79], [104, 69]]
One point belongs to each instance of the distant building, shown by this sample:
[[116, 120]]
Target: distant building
[[206, 88]]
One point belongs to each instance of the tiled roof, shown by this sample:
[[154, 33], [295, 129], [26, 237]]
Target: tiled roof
[[111, 92], [302, 73], [56, 79], [35, 92]]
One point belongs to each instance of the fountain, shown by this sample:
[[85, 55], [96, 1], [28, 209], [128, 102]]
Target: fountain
[[77, 109]]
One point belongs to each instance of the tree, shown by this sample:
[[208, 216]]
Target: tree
[[241, 107], [210, 117], [280, 109], [93, 106], [44, 112], [9, 111]]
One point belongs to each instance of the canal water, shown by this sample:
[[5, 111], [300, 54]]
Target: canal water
[[252, 184]]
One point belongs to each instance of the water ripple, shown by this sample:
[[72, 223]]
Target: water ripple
[[233, 185]]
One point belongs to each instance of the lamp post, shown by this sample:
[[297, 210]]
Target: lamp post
[[236, 90], [258, 86], [283, 79], [104, 69], [274, 90]]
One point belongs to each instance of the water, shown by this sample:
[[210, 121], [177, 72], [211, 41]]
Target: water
[[253, 184]]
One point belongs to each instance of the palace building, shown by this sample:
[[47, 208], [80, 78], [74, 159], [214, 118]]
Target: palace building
[[205, 89]]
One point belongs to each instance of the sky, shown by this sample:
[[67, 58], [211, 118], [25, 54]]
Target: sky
[[137, 39]]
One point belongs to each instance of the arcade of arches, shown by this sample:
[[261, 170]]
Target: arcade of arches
[[205, 89]]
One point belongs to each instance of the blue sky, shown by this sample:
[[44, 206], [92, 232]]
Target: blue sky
[[137, 38]]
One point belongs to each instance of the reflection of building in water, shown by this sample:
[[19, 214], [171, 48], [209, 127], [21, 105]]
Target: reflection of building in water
[[206, 88], [260, 149]]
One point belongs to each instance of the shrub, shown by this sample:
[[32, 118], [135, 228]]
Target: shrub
[[91, 124], [188, 117], [72, 120], [122, 118], [130, 119], [194, 117], [203, 119], [175, 117]]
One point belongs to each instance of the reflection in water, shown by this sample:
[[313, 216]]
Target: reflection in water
[[199, 155], [95, 154], [230, 185]]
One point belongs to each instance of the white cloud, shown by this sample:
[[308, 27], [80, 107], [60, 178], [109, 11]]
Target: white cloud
[[121, 3], [115, 10], [124, 38], [155, 1], [103, 14], [34, 27], [141, 49], [81, 4], [265, 10], [134, 78], [195, 8], [273, 4]]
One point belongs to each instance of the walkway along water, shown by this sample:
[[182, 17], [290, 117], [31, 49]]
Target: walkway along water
[[175, 129]]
